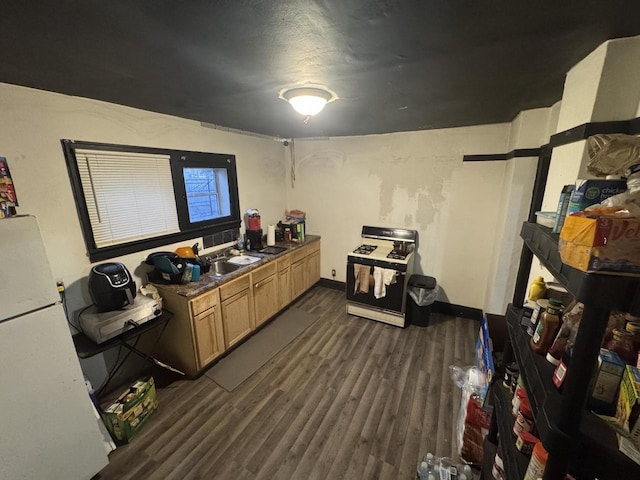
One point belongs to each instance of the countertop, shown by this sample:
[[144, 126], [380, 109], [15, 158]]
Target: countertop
[[207, 282]]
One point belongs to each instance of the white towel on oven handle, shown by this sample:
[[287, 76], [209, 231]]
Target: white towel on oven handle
[[382, 277]]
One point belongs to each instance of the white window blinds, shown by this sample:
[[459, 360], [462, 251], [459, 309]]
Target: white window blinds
[[129, 196]]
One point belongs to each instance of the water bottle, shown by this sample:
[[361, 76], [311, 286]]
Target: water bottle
[[428, 467]]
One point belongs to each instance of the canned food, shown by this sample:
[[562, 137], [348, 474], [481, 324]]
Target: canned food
[[524, 419]]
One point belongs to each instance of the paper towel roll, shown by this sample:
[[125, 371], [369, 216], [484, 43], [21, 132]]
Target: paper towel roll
[[271, 235]]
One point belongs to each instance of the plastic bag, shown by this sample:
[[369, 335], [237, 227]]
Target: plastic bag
[[612, 154], [473, 420], [424, 296]]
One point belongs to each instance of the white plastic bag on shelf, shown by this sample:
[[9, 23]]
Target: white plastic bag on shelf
[[473, 420]]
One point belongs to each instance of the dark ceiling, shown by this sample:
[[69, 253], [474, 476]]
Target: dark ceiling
[[395, 65]]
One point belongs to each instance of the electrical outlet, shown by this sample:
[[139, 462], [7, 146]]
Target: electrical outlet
[[333, 272]]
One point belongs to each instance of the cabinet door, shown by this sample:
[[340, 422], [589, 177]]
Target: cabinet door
[[298, 278], [313, 268], [209, 336], [284, 287], [237, 318], [207, 327], [265, 298]]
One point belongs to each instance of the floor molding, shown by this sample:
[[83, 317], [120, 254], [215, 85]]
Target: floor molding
[[336, 285], [438, 306], [457, 310]]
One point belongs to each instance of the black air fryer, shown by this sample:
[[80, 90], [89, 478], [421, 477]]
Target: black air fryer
[[111, 286]]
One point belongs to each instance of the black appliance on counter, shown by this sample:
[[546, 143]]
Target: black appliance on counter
[[254, 240], [111, 286], [254, 230]]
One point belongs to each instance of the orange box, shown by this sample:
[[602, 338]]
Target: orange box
[[604, 243]]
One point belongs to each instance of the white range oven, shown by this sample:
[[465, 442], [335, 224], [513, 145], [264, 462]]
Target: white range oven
[[378, 271]]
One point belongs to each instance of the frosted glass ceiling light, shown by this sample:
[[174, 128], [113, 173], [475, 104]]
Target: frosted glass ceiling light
[[307, 101]]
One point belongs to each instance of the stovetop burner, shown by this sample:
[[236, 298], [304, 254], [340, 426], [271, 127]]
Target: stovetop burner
[[365, 249], [397, 255]]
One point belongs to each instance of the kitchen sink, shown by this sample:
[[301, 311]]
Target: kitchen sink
[[222, 267], [243, 259]]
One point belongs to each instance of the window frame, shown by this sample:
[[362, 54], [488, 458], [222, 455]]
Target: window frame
[[178, 159]]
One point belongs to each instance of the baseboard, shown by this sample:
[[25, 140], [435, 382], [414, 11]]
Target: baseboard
[[440, 307], [457, 310], [325, 282]]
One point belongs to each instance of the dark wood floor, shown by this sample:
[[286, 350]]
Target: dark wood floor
[[349, 398]]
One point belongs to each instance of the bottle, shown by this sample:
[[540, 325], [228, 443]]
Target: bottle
[[537, 289], [633, 326], [427, 467], [547, 328], [537, 463], [622, 344], [524, 419]]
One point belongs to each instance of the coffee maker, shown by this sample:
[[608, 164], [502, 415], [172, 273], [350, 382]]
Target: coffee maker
[[254, 231]]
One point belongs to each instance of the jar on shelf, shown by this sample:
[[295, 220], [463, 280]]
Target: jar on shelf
[[519, 394], [524, 419], [510, 379], [547, 328], [634, 327], [622, 344], [537, 463]]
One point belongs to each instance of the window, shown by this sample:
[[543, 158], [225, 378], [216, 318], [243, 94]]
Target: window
[[203, 200], [133, 198]]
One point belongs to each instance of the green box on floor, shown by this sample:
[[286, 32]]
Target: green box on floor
[[125, 416]]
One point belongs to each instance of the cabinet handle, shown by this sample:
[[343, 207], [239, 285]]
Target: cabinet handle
[[263, 283]]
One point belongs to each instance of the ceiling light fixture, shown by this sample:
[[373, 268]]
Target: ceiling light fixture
[[307, 101]]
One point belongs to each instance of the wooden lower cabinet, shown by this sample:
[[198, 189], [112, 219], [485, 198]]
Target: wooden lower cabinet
[[313, 266], [264, 283], [204, 327], [237, 310], [298, 272], [284, 281], [193, 337], [208, 332]]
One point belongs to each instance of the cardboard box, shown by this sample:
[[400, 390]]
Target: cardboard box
[[590, 192], [605, 383], [601, 243], [125, 416], [628, 409]]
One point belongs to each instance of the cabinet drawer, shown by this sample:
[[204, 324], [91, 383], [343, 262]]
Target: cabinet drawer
[[230, 289], [313, 247], [298, 254], [284, 262], [263, 272], [204, 302]]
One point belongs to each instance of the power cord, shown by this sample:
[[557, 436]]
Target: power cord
[[63, 298]]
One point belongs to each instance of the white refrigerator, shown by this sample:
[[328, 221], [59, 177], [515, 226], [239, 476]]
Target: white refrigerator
[[48, 424]]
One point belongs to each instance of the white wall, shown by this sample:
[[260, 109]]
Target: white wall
[[601, 87], [528, 130], [414, 180], [32, 123]]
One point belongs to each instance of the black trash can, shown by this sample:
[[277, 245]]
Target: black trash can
[[423, 288]]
